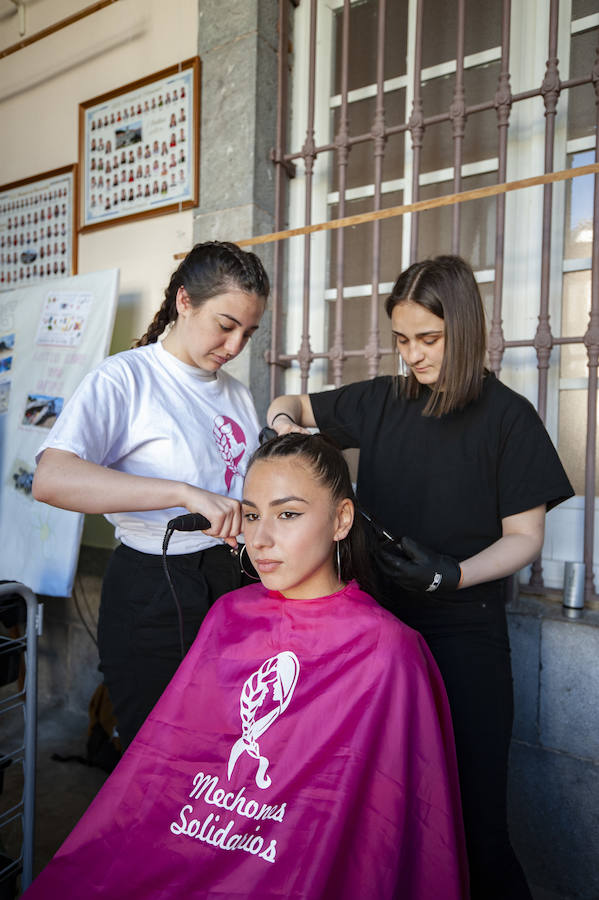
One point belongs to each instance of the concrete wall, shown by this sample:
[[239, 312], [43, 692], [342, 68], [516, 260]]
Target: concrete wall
[[554, 765], [237, 43]]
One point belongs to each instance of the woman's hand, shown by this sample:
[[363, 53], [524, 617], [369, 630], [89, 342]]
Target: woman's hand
[[291, 413], [224, 513], [65, 480], [416, 568]]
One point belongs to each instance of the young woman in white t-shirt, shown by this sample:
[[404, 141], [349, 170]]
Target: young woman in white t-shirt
[[151, 433]]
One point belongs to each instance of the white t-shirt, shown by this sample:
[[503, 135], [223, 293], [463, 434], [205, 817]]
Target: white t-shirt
[[145, 412]]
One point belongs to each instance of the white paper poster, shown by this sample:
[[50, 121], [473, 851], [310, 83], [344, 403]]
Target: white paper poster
[[50, 337]]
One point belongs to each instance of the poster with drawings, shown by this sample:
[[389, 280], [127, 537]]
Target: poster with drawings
[[139, 147], [49, 339], [63, 318]]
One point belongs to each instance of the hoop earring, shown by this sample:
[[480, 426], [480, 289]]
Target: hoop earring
[[245, 572], [338, 562]]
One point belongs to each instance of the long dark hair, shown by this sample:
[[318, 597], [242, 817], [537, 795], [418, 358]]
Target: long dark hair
[[211, 268], [446, 287], [329, 467]]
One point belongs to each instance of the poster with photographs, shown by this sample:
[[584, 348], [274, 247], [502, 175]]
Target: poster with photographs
[[38, 229], [139, 148], [51, 336]]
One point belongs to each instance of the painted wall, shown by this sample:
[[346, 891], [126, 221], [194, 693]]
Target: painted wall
[[41, 87]]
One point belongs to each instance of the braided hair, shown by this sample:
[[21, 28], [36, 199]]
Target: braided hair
[[209, 269]]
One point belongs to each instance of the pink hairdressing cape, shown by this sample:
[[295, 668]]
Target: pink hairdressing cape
[[304, 749]]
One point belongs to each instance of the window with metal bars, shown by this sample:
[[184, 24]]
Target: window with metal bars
[[395, 102]]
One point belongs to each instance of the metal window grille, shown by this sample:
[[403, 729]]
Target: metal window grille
[[385, 114]]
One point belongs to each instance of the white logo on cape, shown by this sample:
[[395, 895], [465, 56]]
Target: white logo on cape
[[279, 674]]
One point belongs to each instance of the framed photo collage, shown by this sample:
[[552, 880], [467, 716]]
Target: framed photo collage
[[138, 157]]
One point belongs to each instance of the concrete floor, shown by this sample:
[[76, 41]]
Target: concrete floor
[[63, 790]]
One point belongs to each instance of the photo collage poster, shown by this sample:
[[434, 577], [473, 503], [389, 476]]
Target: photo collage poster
[[37, 230], [139, 150]]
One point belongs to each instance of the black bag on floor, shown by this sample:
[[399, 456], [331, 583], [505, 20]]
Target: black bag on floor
[[103, 747]]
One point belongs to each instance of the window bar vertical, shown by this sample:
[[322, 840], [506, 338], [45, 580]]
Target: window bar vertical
[[373, 348], [457, 114], [308, 154], [416, 126], [503, 104], [543, 341], [591, 340], [342, 146], [282, 171]]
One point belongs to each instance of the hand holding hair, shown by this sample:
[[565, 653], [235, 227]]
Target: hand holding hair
[[416, 568]]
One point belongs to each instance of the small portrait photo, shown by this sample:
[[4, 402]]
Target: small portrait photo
[[4, 395], [21, 475], [7, 344], [42, 410], [128, 135]]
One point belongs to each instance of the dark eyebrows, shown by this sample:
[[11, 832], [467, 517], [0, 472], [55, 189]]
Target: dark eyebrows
[[276, 502], [236, 321]]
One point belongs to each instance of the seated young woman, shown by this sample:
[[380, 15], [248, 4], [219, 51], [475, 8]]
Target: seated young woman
[[304, 747]]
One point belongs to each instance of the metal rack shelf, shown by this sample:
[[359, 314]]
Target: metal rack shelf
[[22, 750]]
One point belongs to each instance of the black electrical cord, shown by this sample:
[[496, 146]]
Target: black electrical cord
[[188, 522], [192, 522]]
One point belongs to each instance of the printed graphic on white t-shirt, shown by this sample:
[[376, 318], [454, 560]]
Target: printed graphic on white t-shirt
[[231, 442]]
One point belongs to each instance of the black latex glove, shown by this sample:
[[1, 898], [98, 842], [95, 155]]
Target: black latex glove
[[416, 568]]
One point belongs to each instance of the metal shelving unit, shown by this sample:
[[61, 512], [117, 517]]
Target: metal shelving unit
[[20, 749]]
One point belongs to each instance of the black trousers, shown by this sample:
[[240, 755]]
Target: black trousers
[[470, 644], [138, 632]]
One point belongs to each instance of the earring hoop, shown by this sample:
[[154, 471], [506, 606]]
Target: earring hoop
[[338, 562], [245, 572]]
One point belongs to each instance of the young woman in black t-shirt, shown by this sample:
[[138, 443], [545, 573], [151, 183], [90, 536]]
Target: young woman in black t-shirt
[[464, 466]]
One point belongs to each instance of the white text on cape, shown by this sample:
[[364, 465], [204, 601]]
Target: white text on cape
[[215, 796], [208, 832]]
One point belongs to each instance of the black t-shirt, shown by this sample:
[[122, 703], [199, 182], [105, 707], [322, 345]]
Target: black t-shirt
[[446, 481]]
